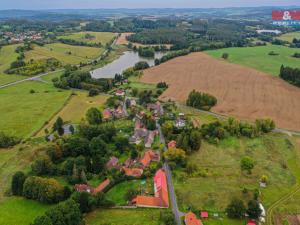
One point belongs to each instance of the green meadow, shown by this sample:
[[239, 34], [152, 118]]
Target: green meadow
[[258, 57], [219, 177], [23, 113], [124, 217], [67, 54], [98, 37]]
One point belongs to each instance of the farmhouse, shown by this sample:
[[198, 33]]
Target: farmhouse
[[148, 157], [161, 197], [191, 219], [120, 93], [156, 108], [89, 189], [112, 163], [133, 172]]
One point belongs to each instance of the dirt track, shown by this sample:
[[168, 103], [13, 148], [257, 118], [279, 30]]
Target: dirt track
[[241, 92]]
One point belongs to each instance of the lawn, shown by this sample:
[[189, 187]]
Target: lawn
[[219, 177], [23, 113], [258, 57], [290, 36], [118, 192], [99, 37], [61, 52], [15, 210], [124, 217], [76, 109], [223, 221]]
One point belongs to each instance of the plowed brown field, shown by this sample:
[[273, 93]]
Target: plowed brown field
[[241, 92]]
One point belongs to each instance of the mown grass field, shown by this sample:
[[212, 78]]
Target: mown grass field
[[99, 37], [61, 52], [258, 57], [220, 178], [23, 113], [7, 56], [290, 36], [76, 109], [118, 192], [17, 210], [124, 217]]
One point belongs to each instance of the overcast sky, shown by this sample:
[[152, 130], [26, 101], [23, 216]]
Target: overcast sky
[[94, 4]]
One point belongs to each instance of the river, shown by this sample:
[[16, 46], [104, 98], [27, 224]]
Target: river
[[127, 60]]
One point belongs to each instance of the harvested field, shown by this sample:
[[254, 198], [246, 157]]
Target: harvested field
[[241, 92]]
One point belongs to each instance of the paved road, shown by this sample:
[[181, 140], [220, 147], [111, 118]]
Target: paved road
[[175, 210], [30, 78]]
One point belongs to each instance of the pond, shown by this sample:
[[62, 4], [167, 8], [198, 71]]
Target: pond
[[127, 60]]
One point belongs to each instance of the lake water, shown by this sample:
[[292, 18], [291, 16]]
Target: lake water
[[127, 60]]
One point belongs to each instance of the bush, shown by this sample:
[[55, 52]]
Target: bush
[[93, 92], [7, 141], [141, 65], [247, 164], [200, 100], [43, 189], [17, 183], [225, 55], [64, 213]]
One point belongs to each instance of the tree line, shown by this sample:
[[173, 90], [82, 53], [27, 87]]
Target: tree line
[[291, 75], [200, 100]]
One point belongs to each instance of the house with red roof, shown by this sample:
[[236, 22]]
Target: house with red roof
[[251, 222], [101, 186], [112, 163], [204, 214], [191, 219], [161, 196], [89, 189], [133, 172], [149, 156], [83, 188], [120, 92], [172, 144], [106, 114]]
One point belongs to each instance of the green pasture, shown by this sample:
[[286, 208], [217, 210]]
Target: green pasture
[[258, 57]]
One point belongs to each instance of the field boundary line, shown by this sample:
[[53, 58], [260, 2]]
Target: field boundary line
[[278, 203]]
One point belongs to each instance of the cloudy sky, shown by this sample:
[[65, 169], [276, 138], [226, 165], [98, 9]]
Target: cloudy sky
[[93, 4]]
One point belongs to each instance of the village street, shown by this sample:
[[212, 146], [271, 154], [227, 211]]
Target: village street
[[175, 210]]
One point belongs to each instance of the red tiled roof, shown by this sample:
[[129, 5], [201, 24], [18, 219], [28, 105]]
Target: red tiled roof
[[106, 114], [161, 199], [112, 163], [172, 144], [83, 187], [101, 186], [204, 214], [148, 157], [191, 219], [251, 222], [133, 172]]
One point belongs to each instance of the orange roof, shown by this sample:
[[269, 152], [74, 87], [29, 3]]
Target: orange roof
[[191, 219], [161, 199], [133, 172], [101, 186], [172, 144], [148, 157]]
